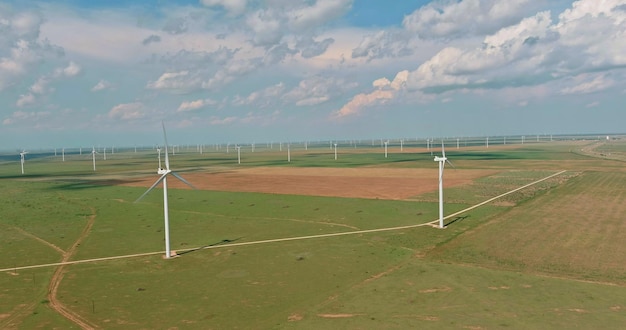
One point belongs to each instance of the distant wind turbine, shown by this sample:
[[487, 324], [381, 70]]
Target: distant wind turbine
[[93, 157], [441, 160], [22, 154], [386, 144], [164, 173]]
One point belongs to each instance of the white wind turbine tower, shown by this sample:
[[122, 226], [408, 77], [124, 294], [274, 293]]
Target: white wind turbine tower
[[164, 173], [386, 144], [63, 153], [335, 151], [441, 160], [93, 157], [238, 154], [24, 152]]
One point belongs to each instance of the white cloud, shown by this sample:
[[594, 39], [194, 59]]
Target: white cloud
[[21, 49], [263, 98], [180, 81], [384, 44], [195, 105], [385, 90], [234, 7], [587, 83], [42, 85], [319, 13], [229, 72], [25, 100], [71, 70], [222, 121], [360, 101], [312, 101], [127, 111], [310, 48], [593, 104], [316, 90], [101, 85], [529, 53], [266, 26], [453, 19], [30, 118], [26, 25]]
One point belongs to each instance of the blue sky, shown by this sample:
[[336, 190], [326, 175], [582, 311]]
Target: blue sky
[[80, 73]]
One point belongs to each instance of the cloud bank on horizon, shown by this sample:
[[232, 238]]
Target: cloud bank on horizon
[[280, 68]]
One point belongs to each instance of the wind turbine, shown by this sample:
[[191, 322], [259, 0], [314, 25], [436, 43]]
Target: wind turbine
[[386, 144], [164, 173], [335, 151], [442, 162], [24, 152], [93, 157]]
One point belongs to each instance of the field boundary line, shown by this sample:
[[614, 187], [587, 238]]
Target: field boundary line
[[430, 223]]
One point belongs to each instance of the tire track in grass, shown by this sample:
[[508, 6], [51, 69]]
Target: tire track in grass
[[25, 233], [59, 273], [21, 311]]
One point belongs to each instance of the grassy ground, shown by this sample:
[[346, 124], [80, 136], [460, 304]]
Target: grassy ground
[[547, 257]]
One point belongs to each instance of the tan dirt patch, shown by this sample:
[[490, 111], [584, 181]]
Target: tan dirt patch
[[433, 290], [381, 183], [336, 316]]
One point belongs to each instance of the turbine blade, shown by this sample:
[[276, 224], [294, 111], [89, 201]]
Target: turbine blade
[[151, 187], [167, 159], [183, 180], [447, 161]]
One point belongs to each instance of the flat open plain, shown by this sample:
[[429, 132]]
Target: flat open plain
[[548, 256]]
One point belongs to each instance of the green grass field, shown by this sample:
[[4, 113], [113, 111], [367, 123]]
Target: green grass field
[[549, 256]]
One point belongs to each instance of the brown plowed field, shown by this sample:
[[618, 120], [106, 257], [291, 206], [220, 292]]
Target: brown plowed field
[[383, 183]]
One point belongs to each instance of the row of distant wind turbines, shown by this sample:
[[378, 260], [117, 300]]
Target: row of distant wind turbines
[[333, 146], [93, 156]]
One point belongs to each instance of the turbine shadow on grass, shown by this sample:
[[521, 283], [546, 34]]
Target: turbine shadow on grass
[[457, 219], [224, 241], [79, 184]]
